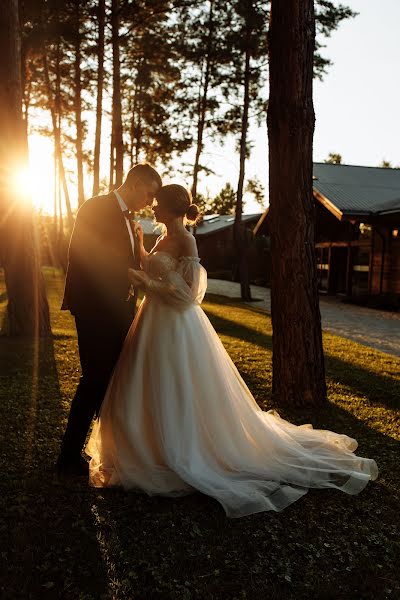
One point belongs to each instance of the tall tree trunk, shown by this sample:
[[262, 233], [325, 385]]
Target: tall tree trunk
[[298, 360], [203, 98], [27, 308], [138, 129], [116, 101], [54, 104], [112, 161], [99, 108], [131, 131], [240, 238], [78, 104], [132, 128], [56, 187]]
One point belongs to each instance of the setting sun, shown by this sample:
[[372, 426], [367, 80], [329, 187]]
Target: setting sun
[[36, 183], [21, 183]]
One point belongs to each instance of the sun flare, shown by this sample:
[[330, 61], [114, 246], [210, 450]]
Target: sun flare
[[21, 183], [36, 183]]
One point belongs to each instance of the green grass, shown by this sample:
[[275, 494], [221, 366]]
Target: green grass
[[71, 541]]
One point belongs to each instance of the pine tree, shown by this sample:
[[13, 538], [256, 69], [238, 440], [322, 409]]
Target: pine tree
[[298, 360], [27, 308], [224, 203], [101, 16]]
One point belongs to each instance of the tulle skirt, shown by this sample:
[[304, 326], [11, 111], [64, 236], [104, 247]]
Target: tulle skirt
[[177, 417]]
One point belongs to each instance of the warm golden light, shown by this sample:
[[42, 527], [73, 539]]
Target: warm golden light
[[21, 183], [36, 183], [40, 174]]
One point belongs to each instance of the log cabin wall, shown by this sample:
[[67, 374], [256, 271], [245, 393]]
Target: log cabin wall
[[216, 251], [394, 278], [381, 262], [217, 254]]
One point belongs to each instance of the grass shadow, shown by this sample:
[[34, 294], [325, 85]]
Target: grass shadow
[[238, 302], [326, 545], [379, 389], [48, 534]]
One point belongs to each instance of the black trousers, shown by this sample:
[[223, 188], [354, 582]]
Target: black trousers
[[100, 343]]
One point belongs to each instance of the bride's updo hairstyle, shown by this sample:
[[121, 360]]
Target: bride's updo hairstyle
[[178, 200]]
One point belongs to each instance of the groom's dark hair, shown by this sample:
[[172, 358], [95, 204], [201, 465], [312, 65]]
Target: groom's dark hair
[[145, 172]]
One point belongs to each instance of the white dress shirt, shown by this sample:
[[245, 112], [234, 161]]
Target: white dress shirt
[[123, 207]]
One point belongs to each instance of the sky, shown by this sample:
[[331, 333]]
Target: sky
[[357, 105]]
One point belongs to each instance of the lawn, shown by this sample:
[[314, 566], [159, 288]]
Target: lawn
[[66, 540]]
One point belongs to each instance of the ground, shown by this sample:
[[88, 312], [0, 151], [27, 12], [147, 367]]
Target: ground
[[378, 329], [66, 540]]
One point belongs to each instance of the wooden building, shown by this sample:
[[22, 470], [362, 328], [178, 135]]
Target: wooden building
[[357, 229], [214, 236]]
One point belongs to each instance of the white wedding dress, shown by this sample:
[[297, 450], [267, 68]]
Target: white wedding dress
[[177, 417]]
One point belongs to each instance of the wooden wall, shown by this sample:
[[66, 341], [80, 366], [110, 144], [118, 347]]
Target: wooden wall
[[384, 269]]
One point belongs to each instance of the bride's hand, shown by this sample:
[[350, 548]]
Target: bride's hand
[[137, 278], [139, 232]]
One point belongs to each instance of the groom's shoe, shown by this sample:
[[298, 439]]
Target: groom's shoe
[[77, 467]]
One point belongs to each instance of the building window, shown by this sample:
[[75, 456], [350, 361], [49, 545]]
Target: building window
[[322, 268], [360, 271], [365, 231]]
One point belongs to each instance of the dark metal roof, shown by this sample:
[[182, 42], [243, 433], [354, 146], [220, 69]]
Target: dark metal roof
[[358, 190], [210, 224], [213, 223]]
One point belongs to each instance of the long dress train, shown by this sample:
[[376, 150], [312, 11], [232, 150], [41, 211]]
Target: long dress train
[[177, 417]]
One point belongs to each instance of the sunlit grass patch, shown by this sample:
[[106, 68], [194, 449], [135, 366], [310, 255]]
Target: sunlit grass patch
[[70, 541]]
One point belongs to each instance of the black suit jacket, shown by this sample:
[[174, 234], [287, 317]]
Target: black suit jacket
[[100, 253]]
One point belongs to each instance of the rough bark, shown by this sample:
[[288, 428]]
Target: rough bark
[[118, 143], [241, 242], [27, 308], [78, 104], [298, 361], [99, 106]]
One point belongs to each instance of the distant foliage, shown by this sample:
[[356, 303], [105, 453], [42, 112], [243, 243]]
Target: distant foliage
[[224, 203], [182, 70], [333, 159]]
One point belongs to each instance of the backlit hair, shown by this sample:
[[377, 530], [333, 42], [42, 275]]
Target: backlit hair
[[178, 200], [143, 172]]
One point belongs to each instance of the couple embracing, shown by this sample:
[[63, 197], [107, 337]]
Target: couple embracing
[[173, 415]]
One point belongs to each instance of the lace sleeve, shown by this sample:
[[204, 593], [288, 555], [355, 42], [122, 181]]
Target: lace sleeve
[[183, 287]]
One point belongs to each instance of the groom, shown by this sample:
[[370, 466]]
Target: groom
[[103, 246]]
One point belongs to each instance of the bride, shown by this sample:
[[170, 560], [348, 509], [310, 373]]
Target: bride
[[177, 417]]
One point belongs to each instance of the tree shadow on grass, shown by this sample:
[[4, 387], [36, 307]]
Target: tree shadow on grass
[[49, 544], [379, 389], [237, 302], [232, 328], [326, 545]]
